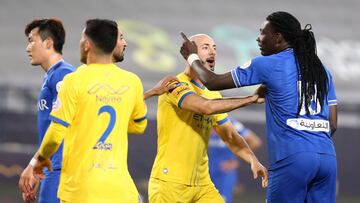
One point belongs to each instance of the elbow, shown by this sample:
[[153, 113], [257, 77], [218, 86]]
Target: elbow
[[138, 128], [209, 84], [255, 145], [137, 131], [333, 128]]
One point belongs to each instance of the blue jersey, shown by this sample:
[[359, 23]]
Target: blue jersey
[[47, 97], [288, 132], [218, 151]]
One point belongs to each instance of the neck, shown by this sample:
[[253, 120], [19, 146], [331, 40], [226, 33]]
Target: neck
[[99, 58], [190, 72], [51, 60], [283, 47]]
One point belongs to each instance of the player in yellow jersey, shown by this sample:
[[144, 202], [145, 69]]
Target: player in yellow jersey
[[185, 117], [97, 106], [25, 183]]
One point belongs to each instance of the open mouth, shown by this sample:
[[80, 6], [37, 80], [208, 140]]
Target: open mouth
[[211, 61]]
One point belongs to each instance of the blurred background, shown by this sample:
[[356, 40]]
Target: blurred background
[[152, 29]]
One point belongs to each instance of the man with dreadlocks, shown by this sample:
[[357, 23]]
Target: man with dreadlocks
[[301, 108]]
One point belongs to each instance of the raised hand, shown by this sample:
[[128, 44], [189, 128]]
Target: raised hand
[[166, 84], [188, 47]]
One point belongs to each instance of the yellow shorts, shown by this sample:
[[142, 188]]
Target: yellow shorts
[[168, 192]]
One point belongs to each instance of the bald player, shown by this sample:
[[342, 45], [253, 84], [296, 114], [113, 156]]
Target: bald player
[[185, 118]]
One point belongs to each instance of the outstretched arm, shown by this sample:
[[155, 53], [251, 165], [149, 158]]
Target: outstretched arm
[[201, 105], [241, 149], [210, 79], [161, 87]]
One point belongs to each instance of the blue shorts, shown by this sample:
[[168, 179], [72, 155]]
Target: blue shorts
[[303, 177], [49, 187]]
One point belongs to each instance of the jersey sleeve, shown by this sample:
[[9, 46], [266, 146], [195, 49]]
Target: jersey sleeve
[[178, 94], [251, 73], [64, 108], [221, 119], [138, 121], [331, 92]]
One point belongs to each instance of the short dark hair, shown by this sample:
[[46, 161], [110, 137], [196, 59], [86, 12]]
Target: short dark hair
[[49, 27], [103, 33]]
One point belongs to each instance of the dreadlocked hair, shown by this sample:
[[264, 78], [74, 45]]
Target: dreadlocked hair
[[311, 72]]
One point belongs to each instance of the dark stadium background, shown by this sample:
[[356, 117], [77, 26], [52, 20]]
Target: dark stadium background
[[152, 29]]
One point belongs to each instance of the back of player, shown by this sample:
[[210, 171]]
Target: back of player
[[98, 105], [103, 101]]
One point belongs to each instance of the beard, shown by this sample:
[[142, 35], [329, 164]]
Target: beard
[[118, 58], [83, 58]]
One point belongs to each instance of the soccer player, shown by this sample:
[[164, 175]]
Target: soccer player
[[301, 108], [223, 164], [46, 39], [185, 117], [96, 108]]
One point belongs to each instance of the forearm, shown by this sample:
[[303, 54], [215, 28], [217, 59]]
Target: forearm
[[226, 104], [205, 75], [211, 80], [149, 93], [333, 119], [241, 149], [52, 140]]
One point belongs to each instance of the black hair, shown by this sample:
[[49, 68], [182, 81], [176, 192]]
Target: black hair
[[103, 33], [311, 72], [49, 28]]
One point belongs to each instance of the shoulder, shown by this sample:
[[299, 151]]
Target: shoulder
[[65, 68], [211, 94], [131, 78], [62, 70], [130, 75]]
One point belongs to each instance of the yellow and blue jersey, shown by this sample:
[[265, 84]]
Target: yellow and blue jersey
[[99, 104], [183, 136]]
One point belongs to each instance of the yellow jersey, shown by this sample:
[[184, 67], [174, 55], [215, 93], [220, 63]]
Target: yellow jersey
[[99, 104], [183, 136]]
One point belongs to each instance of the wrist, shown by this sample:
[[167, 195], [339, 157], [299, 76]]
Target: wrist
[[33, 162], [254, 98], [192, 57]]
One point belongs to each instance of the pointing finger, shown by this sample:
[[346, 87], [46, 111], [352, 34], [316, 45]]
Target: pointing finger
[[184, 36]]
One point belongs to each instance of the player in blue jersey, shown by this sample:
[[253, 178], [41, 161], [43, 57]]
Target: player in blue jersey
[[46, 39], [301, 108], [223, 164]]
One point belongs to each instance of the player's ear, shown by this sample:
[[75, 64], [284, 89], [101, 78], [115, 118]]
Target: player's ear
[[279, 38], [49, 43], [87, 45]]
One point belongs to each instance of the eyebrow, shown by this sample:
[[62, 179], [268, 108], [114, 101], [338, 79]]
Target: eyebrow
[[206, 44]]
